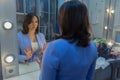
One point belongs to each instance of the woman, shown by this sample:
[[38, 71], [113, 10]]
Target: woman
[[73, 56], [29, 39]]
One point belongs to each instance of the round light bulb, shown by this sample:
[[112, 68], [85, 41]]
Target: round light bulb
[[107, 10], [106, 27], [9, 59], [112, 11], [110, 43], [7, 25]]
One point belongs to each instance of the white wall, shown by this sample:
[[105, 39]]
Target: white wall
[[96, 11]]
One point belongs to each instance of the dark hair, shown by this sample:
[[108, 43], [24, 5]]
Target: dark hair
[[74, 23], [27, 20]]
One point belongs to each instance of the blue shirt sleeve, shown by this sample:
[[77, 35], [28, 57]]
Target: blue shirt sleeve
[[91, 71], [21, 56], [41, 39]]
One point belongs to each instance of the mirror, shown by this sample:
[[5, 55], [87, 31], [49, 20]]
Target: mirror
[[47, 23], [21, 10], [28, 67]]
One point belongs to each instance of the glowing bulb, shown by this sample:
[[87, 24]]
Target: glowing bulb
[[107, 10], [9, 59], [7, 25], [110, 43], [106, 27], [112, 11]]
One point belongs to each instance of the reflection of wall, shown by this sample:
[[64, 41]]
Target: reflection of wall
[[19, 6], [109, 18], [116, 20], [86, 2], [30, 6], [117, 38], [96, 10], [47, 17], [116, 31], [117, 14], [100, 17]]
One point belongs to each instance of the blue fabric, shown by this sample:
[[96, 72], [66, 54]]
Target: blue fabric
[[118, 38], [65, 61], [24, 41]]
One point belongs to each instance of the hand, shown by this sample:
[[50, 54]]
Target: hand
[[39, 61], [43, 48], [28, 52]]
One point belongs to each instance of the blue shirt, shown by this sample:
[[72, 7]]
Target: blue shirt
[[66, 61], [24, 41]]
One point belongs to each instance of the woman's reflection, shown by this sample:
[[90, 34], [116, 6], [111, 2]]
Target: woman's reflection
[[29, 39]]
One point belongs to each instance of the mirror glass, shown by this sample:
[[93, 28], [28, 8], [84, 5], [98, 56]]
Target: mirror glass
[[47, 24], [28, 67], [23, 7], [47, 18]]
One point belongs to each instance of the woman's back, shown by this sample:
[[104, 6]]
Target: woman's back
[[73, 56], [68, 61]]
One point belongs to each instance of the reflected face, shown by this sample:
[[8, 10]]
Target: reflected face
[[34, 24]]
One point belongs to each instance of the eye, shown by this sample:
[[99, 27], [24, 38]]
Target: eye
[[36, 21]]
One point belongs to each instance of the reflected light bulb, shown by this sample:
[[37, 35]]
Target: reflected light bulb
[[107, 10], [106, 27], [9, 59], [112, 11], [7, 25], [110, 43]]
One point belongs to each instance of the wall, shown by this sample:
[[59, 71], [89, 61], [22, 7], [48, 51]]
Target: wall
[[8, 38], [96, 11]]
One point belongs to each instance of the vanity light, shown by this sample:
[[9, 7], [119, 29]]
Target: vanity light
[[9, 58], [7, 25], [112, 11], [110, 43], [106, 27], [107, 10]]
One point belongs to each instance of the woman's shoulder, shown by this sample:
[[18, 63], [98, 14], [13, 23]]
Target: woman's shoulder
[[93, 44], [19, 33], [40, 34], [59, 42], [93, 47], [60, 46]]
